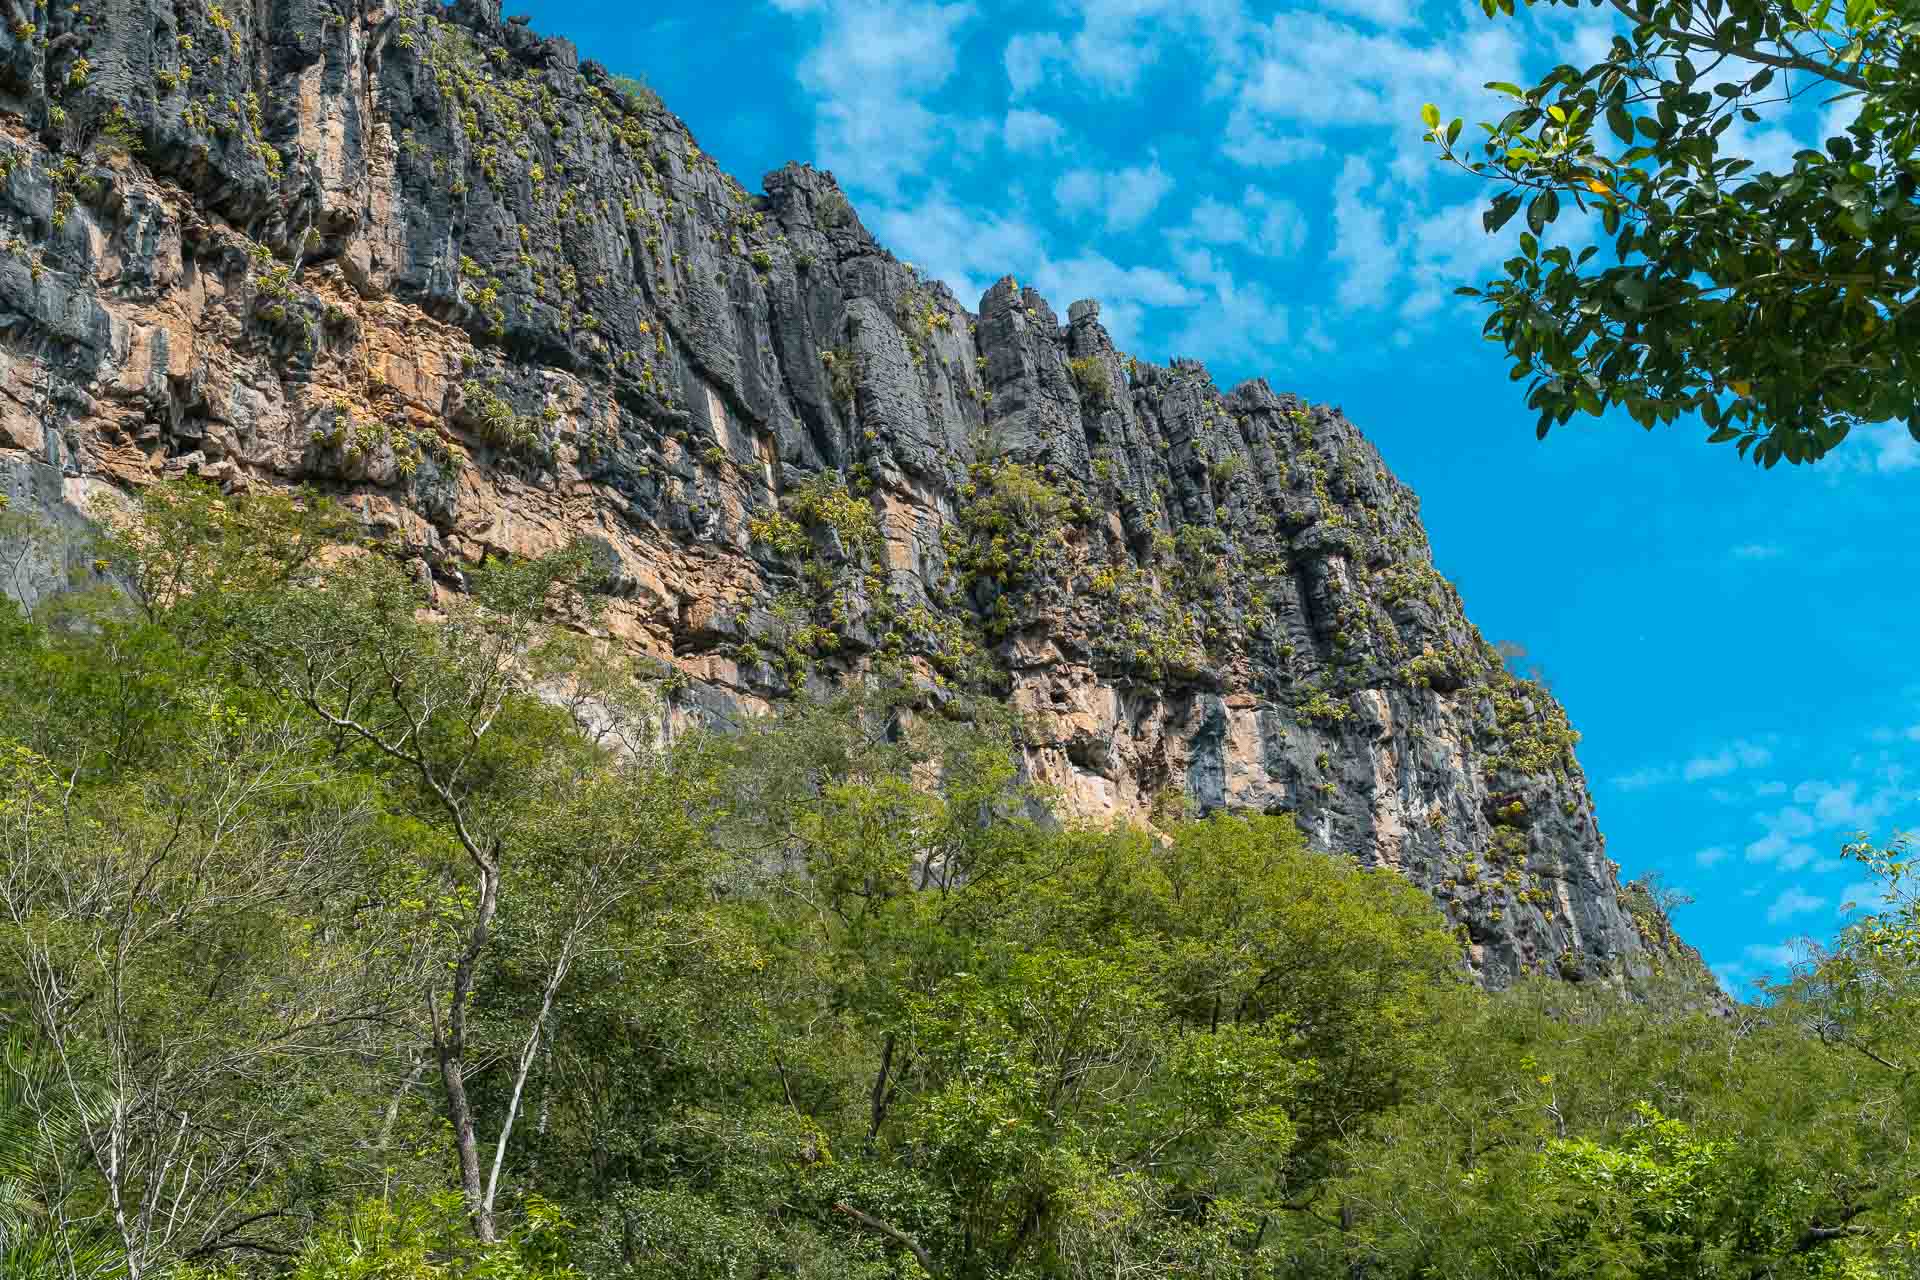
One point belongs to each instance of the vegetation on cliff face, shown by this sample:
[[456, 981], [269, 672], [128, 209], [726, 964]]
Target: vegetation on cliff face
[[350, 927], [492, 298]]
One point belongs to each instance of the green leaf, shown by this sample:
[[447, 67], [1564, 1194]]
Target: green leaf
[[1620, 122], [1430, 116], [1511, 90], [1504, 207], [1647, 127], [1453, 130], [1542, 209], [1723, 435]]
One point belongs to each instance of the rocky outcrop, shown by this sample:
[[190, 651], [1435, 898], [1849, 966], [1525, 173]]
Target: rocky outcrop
[[498, 301]]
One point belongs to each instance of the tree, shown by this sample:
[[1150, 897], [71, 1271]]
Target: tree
[[183, 946], [525, 818], [1778, 306]]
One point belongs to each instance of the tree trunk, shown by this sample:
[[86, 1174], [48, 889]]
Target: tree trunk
[[450, 1047]]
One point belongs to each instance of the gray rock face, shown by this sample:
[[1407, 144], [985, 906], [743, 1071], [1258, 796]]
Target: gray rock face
[[439, 265]]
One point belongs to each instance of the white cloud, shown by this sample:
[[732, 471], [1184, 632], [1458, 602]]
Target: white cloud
[[1250, 141], [1785, 827], [969, 248], [1822, 806], [1028, 57], [1118, 40], [1641, 779], [1730, 975], [1782, 955], [1240, 321], [1271, 226], [1133, 194], [1311, 69], [1862, 895], [1890, 447], [873, 63], [1028, 130], [1077, 190], [1283, 228], [1740, 754], [1360, 241], [1793, 901], [1125, 198], [1835, 806], [1381, 13], [1088, 275], [1712, 857]]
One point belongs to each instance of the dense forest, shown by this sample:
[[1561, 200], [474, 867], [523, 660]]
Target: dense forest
[[350, 927]]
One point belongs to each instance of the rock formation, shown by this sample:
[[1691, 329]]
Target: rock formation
[[498, 300]]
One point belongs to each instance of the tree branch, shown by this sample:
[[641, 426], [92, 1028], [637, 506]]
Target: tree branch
[[891, 1232], [1694, 40]]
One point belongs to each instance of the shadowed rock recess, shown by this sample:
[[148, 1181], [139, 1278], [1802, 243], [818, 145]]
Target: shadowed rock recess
[[497, 300]]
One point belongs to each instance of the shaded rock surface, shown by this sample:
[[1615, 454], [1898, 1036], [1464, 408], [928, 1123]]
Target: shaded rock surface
[[444, 268]]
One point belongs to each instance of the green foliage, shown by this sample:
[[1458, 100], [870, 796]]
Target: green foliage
[[379, 934], [638, 92], [426, 1237], [1774, 304], [1093, 379], [834, 211], [843, 374], [1008, 534]]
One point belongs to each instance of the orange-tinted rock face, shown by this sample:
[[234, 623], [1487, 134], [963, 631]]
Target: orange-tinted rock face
[[461, 280]]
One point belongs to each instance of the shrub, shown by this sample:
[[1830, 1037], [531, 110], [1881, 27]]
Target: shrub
[[1094, 382]]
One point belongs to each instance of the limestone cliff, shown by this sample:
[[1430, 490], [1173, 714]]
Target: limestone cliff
[[436, 264]]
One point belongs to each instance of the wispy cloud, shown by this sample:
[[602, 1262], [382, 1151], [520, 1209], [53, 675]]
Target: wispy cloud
[[1712, 856], [1642, 778], [1740, 754], [1862, 895], [1781, 845], [1029, 130], [875, 62], [1124, 198], [1823, 806], [1889, 448], [1842, 805], [1718, 763], [1756, 551], [1793, 901], [1778, 955]]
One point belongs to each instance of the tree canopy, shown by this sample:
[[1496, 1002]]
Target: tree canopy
[[349, 931], [1777, 304]]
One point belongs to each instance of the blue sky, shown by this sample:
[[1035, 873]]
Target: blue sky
[[1247, 185]]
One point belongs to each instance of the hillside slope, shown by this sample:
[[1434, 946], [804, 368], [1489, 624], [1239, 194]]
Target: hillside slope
[[433, 262]]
